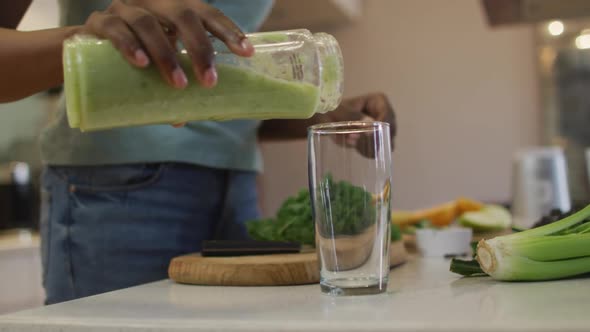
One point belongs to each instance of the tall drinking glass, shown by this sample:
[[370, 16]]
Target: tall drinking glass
[[349, 182]]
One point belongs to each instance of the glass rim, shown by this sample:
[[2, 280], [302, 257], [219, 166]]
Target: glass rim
[[347, 127]]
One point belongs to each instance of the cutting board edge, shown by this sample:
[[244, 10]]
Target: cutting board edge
[[183, 272]]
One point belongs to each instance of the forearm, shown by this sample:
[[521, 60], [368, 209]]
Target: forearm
[[288, 129], [31, 62]]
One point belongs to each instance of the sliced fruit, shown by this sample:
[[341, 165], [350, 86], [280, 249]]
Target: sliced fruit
[[468, 205], [490, 218], [440, 215]]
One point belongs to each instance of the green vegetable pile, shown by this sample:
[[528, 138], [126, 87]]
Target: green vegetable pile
[[348, 209], [352, 211], [294, 222]]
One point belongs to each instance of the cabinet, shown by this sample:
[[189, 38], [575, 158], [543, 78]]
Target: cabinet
[[312, 14], [533, 11]]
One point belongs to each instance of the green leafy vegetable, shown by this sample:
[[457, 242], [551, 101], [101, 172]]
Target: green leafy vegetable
[[396, 232], [294, 222], [466, 268], [352, 211], [348, 209]]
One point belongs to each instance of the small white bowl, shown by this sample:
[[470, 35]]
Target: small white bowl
[[452, 241]]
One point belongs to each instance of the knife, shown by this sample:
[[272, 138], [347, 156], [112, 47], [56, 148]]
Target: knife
[[228, 248]]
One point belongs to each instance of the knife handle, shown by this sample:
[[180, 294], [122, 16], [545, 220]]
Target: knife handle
[[227, 248]]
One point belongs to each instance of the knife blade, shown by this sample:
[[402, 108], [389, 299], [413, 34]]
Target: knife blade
[[228, 248]]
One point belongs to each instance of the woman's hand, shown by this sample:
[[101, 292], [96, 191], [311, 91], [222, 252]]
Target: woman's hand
[[371, 107], [145, 31]]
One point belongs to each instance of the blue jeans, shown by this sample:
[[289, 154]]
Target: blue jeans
[[109, 227]]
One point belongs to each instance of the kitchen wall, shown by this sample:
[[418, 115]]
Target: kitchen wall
[[465, 96]]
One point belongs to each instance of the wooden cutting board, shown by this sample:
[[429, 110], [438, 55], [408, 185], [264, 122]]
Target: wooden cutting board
[[262, 270]]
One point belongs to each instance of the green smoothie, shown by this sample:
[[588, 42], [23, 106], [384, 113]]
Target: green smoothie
[[103, 91]]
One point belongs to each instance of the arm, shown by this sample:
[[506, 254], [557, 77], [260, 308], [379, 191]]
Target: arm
[[31, 61]]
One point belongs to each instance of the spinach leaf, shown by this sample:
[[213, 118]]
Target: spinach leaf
[[352, 211]]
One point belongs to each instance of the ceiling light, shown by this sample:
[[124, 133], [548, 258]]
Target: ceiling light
[[555, 28]]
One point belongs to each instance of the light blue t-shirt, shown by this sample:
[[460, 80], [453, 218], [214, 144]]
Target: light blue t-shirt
[[226, 145]]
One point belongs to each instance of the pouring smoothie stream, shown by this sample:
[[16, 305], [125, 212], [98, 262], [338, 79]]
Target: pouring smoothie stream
[[292, 75]]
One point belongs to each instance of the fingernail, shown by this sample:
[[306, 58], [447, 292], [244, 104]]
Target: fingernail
[[179, 78], [141, 58], [246, 45], [210, 77]]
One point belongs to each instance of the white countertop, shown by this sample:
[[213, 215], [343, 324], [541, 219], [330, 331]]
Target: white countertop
[[423, 296], [18, 239], [20, 271]]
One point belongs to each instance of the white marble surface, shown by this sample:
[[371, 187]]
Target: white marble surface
[[423, 296]]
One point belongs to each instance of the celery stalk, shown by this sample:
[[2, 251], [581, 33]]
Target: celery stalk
[[520, 268], [557, 250]]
